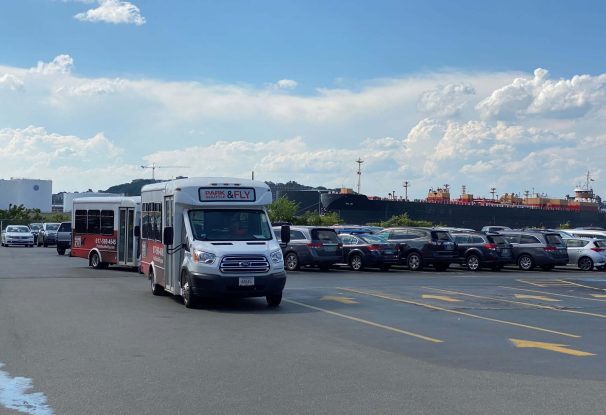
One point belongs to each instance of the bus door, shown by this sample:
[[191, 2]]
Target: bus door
[[126, 254], [169, 275]]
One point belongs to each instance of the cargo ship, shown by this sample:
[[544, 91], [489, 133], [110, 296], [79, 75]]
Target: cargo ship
[[582, 210]]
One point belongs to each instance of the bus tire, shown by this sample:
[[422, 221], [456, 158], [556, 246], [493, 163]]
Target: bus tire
[[155, 288], [61, 251], [189, 298], [95, 261], [274, 300]]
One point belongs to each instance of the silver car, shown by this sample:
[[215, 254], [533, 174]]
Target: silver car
[[586, 253], [17, 235]]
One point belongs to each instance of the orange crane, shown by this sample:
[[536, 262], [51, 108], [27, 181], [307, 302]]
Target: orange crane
[[154, 166]]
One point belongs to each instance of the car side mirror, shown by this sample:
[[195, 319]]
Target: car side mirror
[[168, 235], [137, 231], [285, 234]]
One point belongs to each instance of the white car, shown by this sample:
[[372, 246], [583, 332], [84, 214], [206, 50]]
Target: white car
[[17, 235], [586, 253]]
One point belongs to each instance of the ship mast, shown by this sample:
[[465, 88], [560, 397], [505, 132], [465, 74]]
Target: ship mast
[[405, 185], [359, 161]]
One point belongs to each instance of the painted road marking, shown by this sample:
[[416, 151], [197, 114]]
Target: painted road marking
[[587, 286], [462, 313], [534, 297], [545, 307], [556, 294], [370, 323], [598, 295], [343, 300], [441, 298], [553, 347], [548, 283], [13, 395]]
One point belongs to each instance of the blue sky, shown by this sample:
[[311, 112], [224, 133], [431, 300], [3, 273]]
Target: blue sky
[[294, 90]]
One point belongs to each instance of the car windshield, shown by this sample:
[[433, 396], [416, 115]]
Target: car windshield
[[18, 229], [35, 226], [229, 225], [554, 239], [52, 226]]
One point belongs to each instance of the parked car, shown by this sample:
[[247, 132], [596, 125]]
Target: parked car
[[35, 228], [586, 253], [48, 234], [367, 250], [420, 247], [311, 246], [586, 233], [494, 228], [544, 249], [17, 235], [478, 249], [356, 229], [64, 237]]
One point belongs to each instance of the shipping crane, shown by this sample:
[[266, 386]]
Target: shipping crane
[[154, 166]]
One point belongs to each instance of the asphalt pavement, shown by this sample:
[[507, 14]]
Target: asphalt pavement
[[81, 341]]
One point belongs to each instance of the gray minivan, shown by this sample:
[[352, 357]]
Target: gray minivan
[[544, 249], [311, 246]]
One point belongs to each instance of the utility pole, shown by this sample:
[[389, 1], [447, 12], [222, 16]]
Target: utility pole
[[359, 161], [493, 191], [405, 186]]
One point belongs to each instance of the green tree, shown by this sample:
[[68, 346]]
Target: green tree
[[404, 220], [315, 219], [282, 210]]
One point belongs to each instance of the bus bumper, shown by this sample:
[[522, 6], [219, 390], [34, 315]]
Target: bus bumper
[[207, 285]]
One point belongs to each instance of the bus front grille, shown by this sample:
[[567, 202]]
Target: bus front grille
[[239, 264]]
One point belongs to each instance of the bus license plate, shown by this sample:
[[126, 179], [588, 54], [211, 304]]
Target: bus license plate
[[246, 281]]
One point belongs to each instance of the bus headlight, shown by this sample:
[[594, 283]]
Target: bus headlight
[[276, 256], [204, 257]]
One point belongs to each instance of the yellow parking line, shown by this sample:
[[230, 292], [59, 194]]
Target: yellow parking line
[[545, 307], [586, 286], [550, 293], [462, 313], [370, 323]]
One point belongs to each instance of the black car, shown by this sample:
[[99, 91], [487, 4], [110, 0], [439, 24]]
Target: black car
[[311, 246], [366, 250], [544, 249], [478, 249], [420, 247]]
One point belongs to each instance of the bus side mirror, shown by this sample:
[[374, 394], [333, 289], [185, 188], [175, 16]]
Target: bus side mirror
[[167, 236], [137, 231], [285, 234]]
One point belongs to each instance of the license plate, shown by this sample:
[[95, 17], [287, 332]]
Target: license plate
[[388, 252], [246, 281]]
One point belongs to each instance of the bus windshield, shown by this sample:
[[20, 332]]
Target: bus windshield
[[230, 225]]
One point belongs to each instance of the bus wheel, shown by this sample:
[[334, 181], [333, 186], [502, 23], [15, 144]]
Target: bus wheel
[[61, 251], [95, 261], [274, 300], [155, 288], [189, 298]]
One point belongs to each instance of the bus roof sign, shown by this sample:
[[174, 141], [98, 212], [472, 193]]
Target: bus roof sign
[[227, 194]]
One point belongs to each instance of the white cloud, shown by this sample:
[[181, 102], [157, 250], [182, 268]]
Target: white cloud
[[96, 87], [61, 64], [285, 84], [446, 100], [10, 81], [541, 96], [113, 11]]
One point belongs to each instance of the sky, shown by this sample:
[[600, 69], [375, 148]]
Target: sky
[[485, 94]]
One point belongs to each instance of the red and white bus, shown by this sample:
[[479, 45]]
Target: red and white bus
[[106, 230]]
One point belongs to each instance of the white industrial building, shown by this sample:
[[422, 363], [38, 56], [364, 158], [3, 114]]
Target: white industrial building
[[68, 198], [31, 193]]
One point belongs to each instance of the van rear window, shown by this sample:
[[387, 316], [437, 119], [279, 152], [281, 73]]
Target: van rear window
[[324, 235], [554, 239]]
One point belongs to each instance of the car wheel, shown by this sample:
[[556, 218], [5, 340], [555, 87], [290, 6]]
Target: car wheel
[[414, 261], [95, 261], [189, 298], [274, 300], [356, 263], [155, 288], [473, 262], [61, 251], [585, 263], [525, 262], [291, 262]]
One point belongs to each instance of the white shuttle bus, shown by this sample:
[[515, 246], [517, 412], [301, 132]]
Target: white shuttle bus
[[211, 236]]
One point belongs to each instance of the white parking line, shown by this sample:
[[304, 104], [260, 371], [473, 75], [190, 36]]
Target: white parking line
[[13, 395]]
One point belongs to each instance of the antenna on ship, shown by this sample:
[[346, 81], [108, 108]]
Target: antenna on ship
[[493, 190], [359, 161], [405, 186]]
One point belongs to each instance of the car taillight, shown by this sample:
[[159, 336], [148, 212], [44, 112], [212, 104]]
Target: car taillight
[[373, 247], [597, 249], [315, 245], [550, 249], [491, 246]]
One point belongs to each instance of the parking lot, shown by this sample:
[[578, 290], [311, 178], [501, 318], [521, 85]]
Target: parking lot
[[97, 341]]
